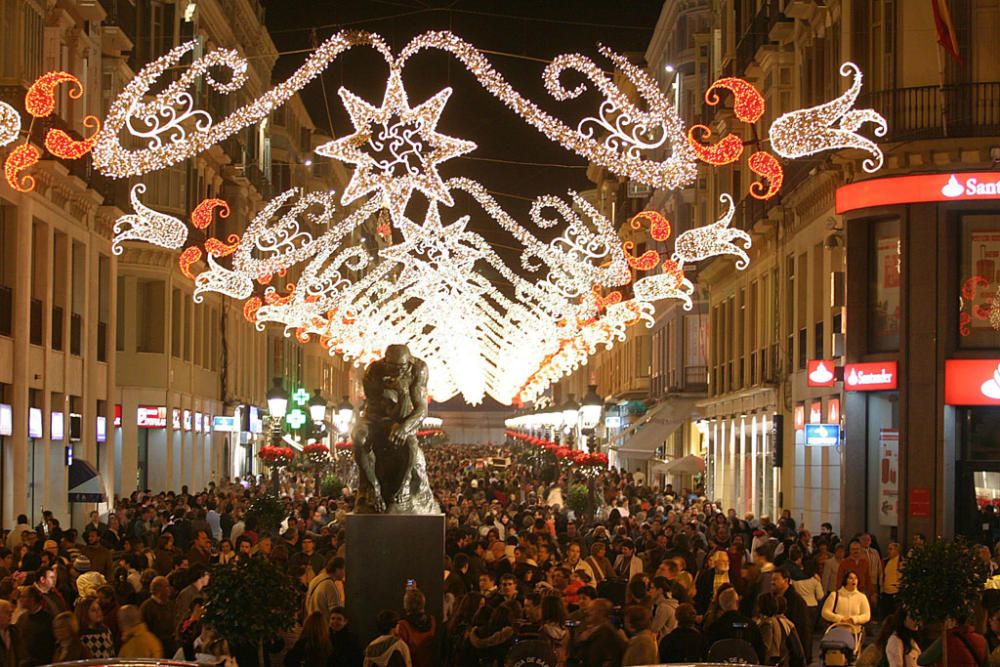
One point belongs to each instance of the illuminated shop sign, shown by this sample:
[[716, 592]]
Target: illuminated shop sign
[[978, 185], [820, 373], [34, 422], [151, 416], [972, 382], [870, 376], [823, 435]]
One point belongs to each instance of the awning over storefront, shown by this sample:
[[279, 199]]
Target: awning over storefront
[[685, 465], [85, 485], [655, 427]]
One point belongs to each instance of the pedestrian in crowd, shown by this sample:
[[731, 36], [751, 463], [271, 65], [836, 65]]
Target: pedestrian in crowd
[[326, 590], [137, 640], [902, 648], [10, 643], [313, 646], [685, 643], [848, 604], [346, 648], [94, 635], [158, 614], [34, 629], [67, 635], [387, 650], [642, 648], [780, 639], [418, 628], [891, 576]]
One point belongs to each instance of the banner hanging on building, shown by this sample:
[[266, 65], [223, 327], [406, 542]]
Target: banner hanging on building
[[888, 478]]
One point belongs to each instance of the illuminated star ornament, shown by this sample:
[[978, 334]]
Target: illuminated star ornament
[[433, 282], [396, 148]]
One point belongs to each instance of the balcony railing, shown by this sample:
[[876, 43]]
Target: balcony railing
[[971, 110]]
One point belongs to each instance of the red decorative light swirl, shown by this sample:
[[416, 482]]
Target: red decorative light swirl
[[20, 159], [659, 226], [251, 307], [609, 300], [385, 231], [729, 149], [265, 278], [964, 319], [647, 261], [273, 298], [190, 255], [63, 146], [766, 165], [748, 104], [40, 100], [217, 248], [201, 216], [972, 285]]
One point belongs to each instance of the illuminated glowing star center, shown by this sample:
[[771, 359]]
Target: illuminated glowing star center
[[396, 148]]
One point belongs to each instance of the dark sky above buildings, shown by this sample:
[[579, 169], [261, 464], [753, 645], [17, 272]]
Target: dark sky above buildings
[[538, 29]]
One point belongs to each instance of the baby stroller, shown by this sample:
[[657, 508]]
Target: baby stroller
[[841, 645]]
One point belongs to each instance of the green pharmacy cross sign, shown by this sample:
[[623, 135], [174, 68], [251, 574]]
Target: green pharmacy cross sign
[[300, 396], [296, 418]]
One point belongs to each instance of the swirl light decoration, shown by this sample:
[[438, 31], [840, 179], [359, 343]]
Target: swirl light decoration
[[830, 126], [766, 165], [436, 286]]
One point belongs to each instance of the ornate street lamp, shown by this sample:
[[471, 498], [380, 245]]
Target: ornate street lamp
[[345, 411], [277, 400], [317, 407], [591, 408], [570, 412]]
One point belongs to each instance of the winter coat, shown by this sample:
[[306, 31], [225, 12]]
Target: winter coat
[[850, 604], [387, 651]]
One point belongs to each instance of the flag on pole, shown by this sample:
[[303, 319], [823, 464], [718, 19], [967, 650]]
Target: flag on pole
[[945, 29]]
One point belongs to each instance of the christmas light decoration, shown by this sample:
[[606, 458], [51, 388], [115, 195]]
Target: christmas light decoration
[[659, 226], [20, 159], [201, 216], [187, 258], [766, 165], [749, 103], [408, 139], [717, 238], [173, 129], [434, 285], [40, 100], [63, 146], [830, 126], [147, 225], [729, 149], [10, 124]]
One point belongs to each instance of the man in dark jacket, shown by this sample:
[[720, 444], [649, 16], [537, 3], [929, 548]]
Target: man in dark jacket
[[34, 630], [734, 625], [10, 646], [795, 608], [346, 647]]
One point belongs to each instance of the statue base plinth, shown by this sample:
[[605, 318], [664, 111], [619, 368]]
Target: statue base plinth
[[383, 552]]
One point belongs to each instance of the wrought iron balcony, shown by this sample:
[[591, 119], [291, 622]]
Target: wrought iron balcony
[[921, 112]]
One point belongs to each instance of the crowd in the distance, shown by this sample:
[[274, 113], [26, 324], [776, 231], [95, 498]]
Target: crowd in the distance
[[658, 575]]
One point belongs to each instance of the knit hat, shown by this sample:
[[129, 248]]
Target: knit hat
[[81, 564]]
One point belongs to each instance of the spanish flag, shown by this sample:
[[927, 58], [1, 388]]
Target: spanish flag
[[945, 29]]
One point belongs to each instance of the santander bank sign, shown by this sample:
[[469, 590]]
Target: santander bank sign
[[972, 382], [871, 376], [957, 186]]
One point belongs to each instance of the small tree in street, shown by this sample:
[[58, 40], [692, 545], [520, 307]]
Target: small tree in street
[[250, 602], [942, 580]]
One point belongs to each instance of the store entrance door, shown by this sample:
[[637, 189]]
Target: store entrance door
[[977, 474]]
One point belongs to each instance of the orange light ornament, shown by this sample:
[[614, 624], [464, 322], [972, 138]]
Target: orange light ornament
[[64, 146], [250, 309], [648, 260], [659, 226], [20, 159], [748, 104], [217, 248], [190, 255], [40, 100], [201, 216], [729, 149], [766, 165]]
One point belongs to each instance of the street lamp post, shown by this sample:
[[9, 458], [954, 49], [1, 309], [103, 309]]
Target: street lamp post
[[591, 408], [277, 406], [317, 412], [570, 415]]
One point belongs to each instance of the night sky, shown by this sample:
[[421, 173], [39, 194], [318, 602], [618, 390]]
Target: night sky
[[537, 29]]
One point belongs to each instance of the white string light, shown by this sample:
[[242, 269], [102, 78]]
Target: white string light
[[10, 124], [810, 131], [429, 288]]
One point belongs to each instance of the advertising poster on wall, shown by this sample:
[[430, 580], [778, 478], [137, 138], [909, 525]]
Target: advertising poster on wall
[[887, 306], [888, 477], [984, 250]]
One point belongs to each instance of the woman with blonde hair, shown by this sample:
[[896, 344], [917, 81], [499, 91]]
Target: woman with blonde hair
[[67, 634]]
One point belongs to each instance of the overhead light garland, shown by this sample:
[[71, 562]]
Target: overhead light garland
[[830, 126], [430, 287]]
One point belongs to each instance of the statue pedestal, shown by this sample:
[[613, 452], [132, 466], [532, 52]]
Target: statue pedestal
[[383, 551]]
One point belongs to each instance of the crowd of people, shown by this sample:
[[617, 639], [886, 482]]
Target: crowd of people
[[657, 575]]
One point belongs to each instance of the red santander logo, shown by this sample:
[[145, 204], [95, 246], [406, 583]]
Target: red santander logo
[[972, 382], [819, 373]]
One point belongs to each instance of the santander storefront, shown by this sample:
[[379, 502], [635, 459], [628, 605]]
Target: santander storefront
[[922, 382]]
